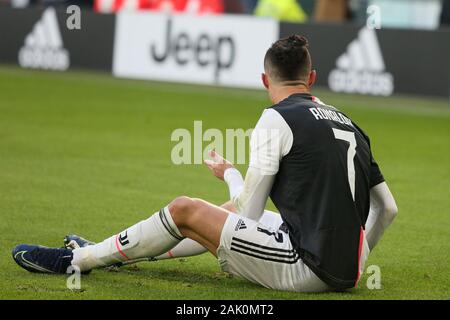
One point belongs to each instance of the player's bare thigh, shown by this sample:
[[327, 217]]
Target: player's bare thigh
[[199, 220]]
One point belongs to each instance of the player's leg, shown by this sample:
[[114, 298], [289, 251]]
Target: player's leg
[[186, 248], [189, 247], [183, 217]]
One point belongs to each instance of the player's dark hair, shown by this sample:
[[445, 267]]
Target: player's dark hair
[[288, 59]]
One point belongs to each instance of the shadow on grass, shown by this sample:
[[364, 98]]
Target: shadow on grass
[[219, 282]]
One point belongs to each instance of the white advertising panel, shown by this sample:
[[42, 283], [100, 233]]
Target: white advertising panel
[[219, 50]]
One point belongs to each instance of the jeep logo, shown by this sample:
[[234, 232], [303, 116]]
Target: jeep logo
[[206, 51]]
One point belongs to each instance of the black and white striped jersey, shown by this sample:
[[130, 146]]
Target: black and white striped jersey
[[321, 187]]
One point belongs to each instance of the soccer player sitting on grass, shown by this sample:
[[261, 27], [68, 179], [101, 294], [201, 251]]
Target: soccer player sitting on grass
[[314, 163]]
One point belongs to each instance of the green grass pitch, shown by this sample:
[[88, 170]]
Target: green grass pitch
[[89, 154]]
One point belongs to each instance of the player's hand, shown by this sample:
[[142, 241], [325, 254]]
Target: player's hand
[[218, 164]]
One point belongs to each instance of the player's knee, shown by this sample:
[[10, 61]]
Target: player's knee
[[182, 208], [180, 205]]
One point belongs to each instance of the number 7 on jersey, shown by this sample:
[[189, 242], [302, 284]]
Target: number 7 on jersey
[[350, 138]]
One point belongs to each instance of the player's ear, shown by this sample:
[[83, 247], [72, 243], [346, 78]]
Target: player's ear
[[265, 80], [312, 78]]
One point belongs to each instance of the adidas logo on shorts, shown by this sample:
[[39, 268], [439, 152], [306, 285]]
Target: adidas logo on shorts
[[240, 225]]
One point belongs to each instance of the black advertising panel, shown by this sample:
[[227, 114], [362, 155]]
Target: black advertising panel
[[41, 39], [419, 60], [378, 62], [92, 46]]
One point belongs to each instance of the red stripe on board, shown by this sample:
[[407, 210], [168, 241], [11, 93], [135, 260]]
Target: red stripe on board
[[118, 248], [170, 253], [361, 241]]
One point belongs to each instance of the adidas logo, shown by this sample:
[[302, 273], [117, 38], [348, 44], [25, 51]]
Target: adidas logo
[[43, 47], [240, 225], [361, 68]]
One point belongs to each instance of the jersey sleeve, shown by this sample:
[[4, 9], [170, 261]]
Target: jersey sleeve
[[376, 177], [270, 141], [249, 196]]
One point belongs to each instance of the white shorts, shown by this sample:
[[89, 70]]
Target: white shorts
[[261, 253]]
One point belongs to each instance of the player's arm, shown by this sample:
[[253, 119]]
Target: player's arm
[[383, 210], [249, 197], [270, 141]]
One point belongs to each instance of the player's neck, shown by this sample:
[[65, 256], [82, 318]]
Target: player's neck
[[280, 93]]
